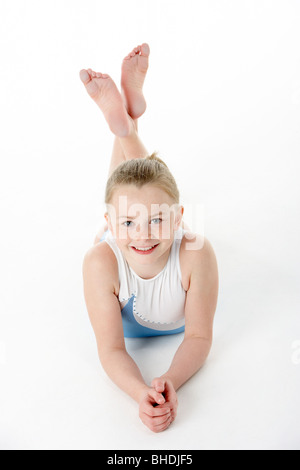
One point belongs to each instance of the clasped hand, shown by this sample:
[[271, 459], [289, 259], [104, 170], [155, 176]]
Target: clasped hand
[[158, 407]]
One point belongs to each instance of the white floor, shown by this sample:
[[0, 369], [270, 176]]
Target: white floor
[[241, 150], [54, 393]]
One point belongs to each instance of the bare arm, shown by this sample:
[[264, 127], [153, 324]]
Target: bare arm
[[99, 271], [105, 316], [200, 308], [189, 358]]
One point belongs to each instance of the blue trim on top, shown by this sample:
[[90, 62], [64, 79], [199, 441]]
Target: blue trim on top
[[132, 329]]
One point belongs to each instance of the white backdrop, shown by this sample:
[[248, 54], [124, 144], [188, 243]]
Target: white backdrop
[[223, 94]]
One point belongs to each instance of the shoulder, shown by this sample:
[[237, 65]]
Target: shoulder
[[100, 263], [197, 247], [198, 258]]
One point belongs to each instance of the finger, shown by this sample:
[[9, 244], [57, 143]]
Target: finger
[[171, 406], [157, 397], [156, 420], [157, 424], [158, 384], [163, 426], [153, 411]]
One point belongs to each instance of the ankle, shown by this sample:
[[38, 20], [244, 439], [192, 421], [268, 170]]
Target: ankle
[[127, 132], [133, 127]]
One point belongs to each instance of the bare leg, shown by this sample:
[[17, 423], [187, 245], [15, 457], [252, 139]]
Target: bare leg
[[118, 155], [134, 70], [127, 148], [121, 112], [132, 145]]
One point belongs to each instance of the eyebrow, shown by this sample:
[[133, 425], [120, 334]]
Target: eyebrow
[[127, 217]]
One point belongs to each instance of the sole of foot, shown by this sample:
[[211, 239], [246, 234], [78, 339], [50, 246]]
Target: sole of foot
[[103, 90], [134, 70]]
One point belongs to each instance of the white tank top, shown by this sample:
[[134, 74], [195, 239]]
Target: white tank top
[[158, 303]]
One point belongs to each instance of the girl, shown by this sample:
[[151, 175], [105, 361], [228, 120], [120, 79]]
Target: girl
[[147, 274]]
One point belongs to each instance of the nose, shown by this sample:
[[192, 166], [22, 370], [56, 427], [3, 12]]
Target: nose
[[142, 232], [142, 235]]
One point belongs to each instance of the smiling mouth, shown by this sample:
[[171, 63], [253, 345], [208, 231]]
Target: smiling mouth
[[145, 249]]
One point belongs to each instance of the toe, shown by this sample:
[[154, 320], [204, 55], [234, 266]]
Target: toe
[[145, 50], [84, 76]]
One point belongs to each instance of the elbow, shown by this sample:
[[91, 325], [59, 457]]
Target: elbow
[[204, 339], [202, 343], [108, 355]]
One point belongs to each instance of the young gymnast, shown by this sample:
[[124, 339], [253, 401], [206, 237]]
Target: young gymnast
[[146, 274]]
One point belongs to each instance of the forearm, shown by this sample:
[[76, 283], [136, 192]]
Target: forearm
[[124, 372], [189, 358]]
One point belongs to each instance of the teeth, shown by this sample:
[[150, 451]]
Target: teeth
[[144, 249]]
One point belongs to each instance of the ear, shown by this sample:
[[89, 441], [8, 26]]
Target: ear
[[108, 221], [178, 217]]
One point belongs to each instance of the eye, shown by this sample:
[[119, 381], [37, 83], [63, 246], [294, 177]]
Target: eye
[[160, 220], [127, 222]]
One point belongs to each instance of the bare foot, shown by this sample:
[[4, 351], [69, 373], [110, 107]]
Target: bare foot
[[106, 95], [134, 69]]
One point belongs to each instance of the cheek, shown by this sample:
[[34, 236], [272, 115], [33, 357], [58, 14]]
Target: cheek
[[123, 244], [122, 237], [122, 234], [165, 230]]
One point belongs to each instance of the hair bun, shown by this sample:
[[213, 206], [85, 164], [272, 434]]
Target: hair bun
[[155, 157]]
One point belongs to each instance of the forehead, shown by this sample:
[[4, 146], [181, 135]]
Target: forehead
[[149, 196]]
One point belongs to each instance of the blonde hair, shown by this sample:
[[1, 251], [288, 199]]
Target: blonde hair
[[141, 171]]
